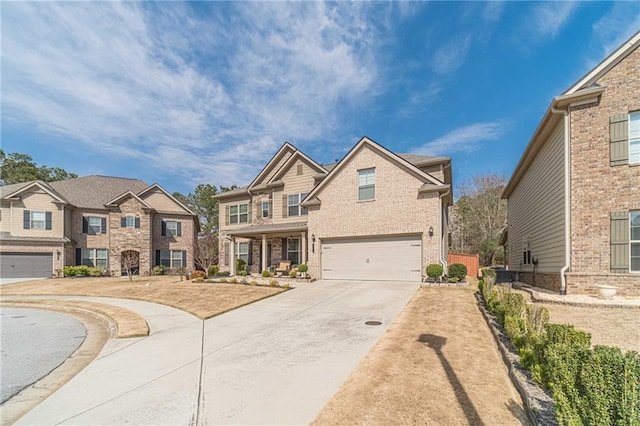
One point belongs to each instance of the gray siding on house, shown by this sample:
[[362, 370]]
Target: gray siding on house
[[536, 208]]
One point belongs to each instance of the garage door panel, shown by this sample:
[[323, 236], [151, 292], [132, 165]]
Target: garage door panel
[[392, 259], [26, 265]]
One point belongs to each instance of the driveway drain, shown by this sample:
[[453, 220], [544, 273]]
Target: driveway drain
[[373, 322]]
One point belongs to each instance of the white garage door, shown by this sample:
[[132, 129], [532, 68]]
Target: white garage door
[[377, 259], [26, 265]]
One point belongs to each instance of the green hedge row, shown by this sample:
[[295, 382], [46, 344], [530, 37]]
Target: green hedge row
[[591, 386], [83, 271]]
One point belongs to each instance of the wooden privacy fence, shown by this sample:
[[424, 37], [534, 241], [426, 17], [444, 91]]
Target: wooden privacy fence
[[471, 261]]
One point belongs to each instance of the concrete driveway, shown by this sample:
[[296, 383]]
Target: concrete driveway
[[277, 361]]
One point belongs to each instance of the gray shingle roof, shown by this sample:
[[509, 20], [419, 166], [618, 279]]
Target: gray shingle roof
[[418, 159], [95, 191], [91, 192]]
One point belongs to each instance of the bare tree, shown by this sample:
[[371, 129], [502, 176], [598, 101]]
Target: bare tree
[[206, 253], [130, 262], [479, 216]]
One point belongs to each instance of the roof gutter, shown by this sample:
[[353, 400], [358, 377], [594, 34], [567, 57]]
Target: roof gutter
[[567, 197]]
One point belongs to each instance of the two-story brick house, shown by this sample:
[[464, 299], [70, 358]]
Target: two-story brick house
[[94, 221], [574, 197], [373, 215]]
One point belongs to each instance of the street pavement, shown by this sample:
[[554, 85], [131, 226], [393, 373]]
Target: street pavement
[[277, 361], [34, 342]]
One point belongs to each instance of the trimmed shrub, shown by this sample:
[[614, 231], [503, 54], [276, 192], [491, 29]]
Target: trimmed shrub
[[223, 274], [159, 270], [95, 271], [434, 270], [293, 273], [243, 273], [69, 271], [213, 270], [266, 273], [458, 270], [240, 265], [303, 267]]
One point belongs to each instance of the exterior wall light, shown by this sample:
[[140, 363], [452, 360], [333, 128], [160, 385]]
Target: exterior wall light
[[431, 231]]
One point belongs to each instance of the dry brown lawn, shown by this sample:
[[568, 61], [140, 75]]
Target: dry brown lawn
[[608, 326], [611, 326], [437, 364], [203, 300]]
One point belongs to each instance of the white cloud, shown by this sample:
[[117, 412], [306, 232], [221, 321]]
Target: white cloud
[[465, 139], [614, 28], [451, 55], [158, 82], [547, 18]]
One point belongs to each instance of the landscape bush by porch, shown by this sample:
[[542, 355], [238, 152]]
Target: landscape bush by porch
[[434, 270], [159, 270], [213, 270], [457, 270], [266, 273], [591, 386], [82, 271]]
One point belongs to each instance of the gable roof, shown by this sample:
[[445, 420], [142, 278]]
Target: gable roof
[[11, 191], [291, 160], [282, 152], [584, 90], [93, 192], [126, 195], [394, 158], [171, 197], [607, 63]]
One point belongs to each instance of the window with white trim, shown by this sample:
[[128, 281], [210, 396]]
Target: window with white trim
[[367, 184], [171, 258], [293, 250], [242, 251], [94, 225], [95, 257], [38, 220], [239, 213], [634, 240], [172, 228], [265, 209], [130, 221], [293, 204], [634, 137]]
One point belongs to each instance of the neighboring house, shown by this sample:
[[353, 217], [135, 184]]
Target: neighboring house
[[375, 215], [94, 221], [574, 197]]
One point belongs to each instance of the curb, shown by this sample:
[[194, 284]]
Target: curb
[[539, 404]]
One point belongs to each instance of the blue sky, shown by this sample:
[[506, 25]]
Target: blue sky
[[186, 93]]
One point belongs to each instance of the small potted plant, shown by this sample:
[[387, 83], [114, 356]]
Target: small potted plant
[[303, 270]]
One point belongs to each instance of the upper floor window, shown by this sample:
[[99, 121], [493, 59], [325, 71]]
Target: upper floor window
[[94, 225], [171, 228], [266, 208], [367, 184], [293, 204], [239, 213], [634, 137], [129, 222], [634, 240], [36, 220]]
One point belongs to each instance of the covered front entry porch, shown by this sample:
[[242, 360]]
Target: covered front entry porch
[[264, 247]]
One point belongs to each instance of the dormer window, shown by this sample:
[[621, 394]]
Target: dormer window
[[367, 184]]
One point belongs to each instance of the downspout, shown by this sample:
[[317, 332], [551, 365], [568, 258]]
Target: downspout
[[443, 258], [567, 199]]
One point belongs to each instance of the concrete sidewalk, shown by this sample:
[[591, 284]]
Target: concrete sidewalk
[[277, 361]]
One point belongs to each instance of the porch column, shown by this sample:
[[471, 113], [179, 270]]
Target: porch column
[[232, 257], [264, 253], [303, 247]]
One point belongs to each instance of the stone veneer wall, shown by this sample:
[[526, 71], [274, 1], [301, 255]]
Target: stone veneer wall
[[122, 239]]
